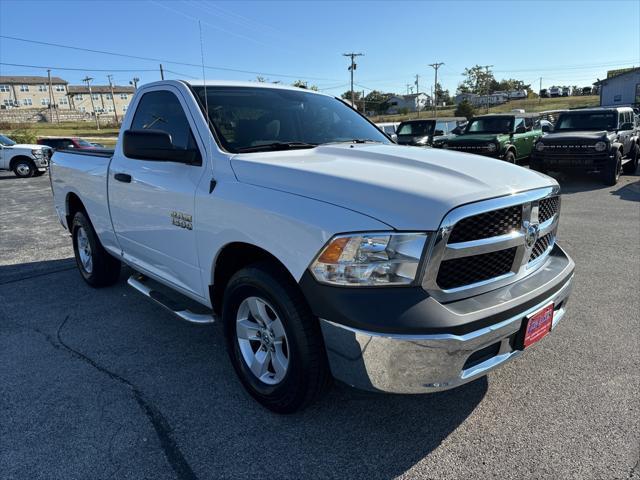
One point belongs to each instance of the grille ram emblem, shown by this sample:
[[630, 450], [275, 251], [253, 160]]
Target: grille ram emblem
[[531, 233]]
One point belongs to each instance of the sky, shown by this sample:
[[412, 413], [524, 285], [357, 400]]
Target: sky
[[565, 43]]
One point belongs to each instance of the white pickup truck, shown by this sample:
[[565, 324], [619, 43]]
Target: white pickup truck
[[325, 250], [24, 160]]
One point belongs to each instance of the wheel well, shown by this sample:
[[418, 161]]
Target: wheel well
[[233, 257], [74, 205], [13, 161], [511, 149]]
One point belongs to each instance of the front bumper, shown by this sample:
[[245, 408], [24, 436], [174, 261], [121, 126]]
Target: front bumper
[[481, 335], [587, 161]]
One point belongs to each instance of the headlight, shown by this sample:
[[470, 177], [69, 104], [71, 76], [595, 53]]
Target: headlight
[[601, 146], [491, 147], [539, 146], [368, 259]]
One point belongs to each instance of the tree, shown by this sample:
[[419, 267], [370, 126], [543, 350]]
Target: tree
[[347, 95], [303, 84], [478, 79], [377, 101], [442, 95], [509, 85], [465, 109]]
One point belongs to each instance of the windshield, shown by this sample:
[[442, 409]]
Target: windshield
[[587, 121], [83, 143], [6, 141], [490, 125], [246, 118], [416, 128]]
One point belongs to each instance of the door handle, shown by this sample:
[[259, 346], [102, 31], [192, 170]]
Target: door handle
[[123, 177]]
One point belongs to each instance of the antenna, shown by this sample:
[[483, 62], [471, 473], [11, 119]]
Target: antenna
[[206, 97]]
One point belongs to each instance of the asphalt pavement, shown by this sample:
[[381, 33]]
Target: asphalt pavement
[[98, 384]]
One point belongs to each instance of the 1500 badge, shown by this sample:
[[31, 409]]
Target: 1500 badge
[[182, 220]]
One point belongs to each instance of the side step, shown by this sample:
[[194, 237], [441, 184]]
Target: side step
[[151, 289]]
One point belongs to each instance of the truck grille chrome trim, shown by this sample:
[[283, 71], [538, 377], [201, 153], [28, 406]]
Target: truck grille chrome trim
[[522, 230]]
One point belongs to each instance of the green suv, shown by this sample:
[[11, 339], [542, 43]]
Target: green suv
[[509, 136]]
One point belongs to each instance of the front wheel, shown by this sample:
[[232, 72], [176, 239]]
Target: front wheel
[[97, 267], [273, 340], [24, 168], [509, 157], [611, 172]]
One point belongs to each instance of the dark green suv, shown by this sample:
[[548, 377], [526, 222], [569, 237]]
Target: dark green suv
[[509, 136]]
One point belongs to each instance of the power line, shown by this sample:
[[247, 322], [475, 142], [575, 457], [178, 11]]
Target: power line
[[162, 60], [78, 69]]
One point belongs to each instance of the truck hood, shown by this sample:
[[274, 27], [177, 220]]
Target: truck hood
[[407, 188], [578, 137]]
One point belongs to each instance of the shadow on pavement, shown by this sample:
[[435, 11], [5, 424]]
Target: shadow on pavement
[[183, 374]]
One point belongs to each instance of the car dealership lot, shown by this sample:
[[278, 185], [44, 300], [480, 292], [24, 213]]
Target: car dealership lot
[[104, 384]]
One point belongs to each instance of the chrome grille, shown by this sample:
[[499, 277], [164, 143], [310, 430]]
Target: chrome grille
[[548, 208], [485, 245], [458, 272], [485, 225]]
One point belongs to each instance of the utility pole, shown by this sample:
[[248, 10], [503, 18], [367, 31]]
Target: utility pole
[[134, 81], [486, 87], [435, 66], [540, 92], [408, 85], [418, 94], [364, 104], [95, 114], [113, 98], [161, 72], [51, 100], [351, 68]]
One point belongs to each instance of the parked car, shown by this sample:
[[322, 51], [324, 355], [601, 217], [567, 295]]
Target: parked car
[[604, 140], [544, 93], [508, 136], [424, 132], [97, 145], [25, 160], [555, 91], [323, 248], [389, 128], [545, 125], [59, 143]]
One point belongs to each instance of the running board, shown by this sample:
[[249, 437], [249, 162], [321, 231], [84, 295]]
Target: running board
[[140, 283]]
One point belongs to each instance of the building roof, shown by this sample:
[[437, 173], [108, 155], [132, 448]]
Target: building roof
[[622, 74], [75, 89], [410, 96], [29, 80]]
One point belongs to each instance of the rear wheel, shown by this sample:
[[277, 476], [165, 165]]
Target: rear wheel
[[630, 168], [611, 173], [24, 168], [97, 267], [274, 341]]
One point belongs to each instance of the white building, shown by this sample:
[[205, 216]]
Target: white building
[[620, 89], [410, 103]]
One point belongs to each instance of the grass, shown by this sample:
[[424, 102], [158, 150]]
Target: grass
[[529, 105]]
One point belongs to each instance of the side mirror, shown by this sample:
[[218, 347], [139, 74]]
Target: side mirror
[[393, 137], [521, 129], [546, 128], [438, 133], [626, 126], [156, 145]]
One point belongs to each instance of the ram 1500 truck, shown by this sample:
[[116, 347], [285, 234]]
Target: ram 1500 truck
[[325, 250]]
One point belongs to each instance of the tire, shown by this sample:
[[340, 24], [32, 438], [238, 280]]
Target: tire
[[24, 168], [630, 168], [267, 323], [509, 157], [97, 267], [611, 172]]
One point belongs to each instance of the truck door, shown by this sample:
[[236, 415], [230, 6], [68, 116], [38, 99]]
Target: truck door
[[152, 202]]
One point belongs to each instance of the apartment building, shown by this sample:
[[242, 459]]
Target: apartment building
[[33, 92], [105, 101]]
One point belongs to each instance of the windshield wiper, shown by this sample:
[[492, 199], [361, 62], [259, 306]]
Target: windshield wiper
[[269, 147], [356, 140]]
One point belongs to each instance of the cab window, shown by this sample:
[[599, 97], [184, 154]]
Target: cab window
[[519, 122], [161, 110]]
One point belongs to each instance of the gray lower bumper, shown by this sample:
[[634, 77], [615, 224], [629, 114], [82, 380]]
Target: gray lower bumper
[[425, 363]]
